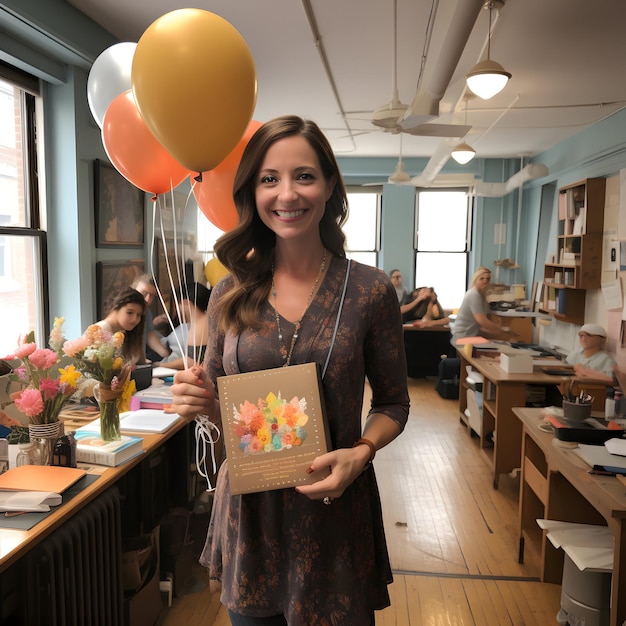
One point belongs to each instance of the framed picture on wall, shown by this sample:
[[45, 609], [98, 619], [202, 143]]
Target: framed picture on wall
[[111, 278], [119, 207]]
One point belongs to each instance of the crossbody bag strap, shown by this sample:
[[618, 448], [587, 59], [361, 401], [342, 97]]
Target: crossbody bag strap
[[343, 297]]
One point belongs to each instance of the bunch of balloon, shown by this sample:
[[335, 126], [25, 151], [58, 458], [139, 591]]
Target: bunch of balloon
[[176, 102], [214, 193]]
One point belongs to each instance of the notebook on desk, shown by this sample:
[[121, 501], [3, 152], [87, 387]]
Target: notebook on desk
[[599, 455], [40, 478], [140, 421]]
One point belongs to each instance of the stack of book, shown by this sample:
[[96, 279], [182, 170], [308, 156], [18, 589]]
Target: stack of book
[[153, 397], [91, 448]]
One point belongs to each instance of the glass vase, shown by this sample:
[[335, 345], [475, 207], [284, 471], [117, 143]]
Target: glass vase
[[109, 413], [45, 436], [109, 421]]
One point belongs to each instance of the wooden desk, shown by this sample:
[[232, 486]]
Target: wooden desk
[[501, 393], [14, 544], [555, 484], [72, 560], [424, 348]]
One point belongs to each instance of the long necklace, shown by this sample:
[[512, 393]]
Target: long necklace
[[286, 354]]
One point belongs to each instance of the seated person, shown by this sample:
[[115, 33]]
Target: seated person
[[127, 315], [191, 336], [591, 360], [424, 310], [155, 350], [396, 281], [472, 318]]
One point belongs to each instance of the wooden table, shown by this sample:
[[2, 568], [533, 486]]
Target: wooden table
[[16, 543], [555, 484], [501, 431], [72, 558]]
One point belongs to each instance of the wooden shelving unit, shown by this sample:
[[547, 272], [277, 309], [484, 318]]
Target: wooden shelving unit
[[577, 266]]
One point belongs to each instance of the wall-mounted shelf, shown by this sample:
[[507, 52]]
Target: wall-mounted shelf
[[577, 266]]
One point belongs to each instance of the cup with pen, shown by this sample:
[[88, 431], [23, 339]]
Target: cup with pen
[[577, 408]]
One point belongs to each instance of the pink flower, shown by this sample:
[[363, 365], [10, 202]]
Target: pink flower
[[73, 346], [30, 402], [21, 373], [44, 358], [25, 350], [48, 387]]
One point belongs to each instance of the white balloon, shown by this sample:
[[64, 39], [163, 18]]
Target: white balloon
[[109, 77]]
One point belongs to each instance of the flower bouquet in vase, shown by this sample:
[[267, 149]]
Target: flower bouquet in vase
[[49, 380], [97, 354]]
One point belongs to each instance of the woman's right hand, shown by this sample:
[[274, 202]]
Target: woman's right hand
[[194, 394]]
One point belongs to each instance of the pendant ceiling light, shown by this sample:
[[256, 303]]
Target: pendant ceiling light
[[463, 153], [488, 78]]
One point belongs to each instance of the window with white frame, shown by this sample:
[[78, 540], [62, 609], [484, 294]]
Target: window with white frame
[[22, 240], [441, 243], [362, 228]]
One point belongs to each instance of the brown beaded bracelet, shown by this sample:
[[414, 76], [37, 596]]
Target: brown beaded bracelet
[[366, 442]]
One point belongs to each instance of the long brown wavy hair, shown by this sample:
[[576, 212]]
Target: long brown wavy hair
[[133, 348], [247, 251]]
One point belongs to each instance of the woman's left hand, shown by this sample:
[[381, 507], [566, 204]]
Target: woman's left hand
[[345, 466]]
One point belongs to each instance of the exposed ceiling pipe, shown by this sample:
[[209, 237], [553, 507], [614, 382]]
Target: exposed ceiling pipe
[[317, 38], [434, 165], [425, 105], [497, 190]]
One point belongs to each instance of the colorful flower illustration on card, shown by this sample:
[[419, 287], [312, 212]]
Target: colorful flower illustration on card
[[271, 424]]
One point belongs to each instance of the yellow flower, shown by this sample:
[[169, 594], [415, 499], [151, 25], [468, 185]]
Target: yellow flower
[[69, 375], [117, 364], [118, 339], [123, 403]]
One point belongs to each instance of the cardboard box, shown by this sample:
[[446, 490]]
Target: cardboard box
[[514, 364], [141, 575]]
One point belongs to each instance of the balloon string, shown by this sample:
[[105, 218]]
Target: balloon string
[[181, 314]]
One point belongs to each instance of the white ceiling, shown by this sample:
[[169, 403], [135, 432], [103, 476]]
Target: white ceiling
[[567, 58]]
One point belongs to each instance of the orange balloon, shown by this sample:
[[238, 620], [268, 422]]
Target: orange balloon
[[194, 81], [134, 151], [214, 194]]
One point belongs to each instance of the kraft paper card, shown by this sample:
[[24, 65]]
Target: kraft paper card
[[274, 424]]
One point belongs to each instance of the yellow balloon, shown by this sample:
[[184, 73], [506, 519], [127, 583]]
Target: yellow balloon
[[214, 271], [194, 82]]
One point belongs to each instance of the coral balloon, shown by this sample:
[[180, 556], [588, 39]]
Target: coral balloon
[[214, 271], [110, 76], [194, 82], [214, 194], [134, 151]]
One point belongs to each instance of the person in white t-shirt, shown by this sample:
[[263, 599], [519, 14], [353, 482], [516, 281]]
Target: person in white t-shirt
[[591, 360], [472, 318]]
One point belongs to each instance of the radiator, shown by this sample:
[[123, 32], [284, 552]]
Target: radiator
[[74, 576]]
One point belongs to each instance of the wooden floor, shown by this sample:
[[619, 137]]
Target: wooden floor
[[452, 538]]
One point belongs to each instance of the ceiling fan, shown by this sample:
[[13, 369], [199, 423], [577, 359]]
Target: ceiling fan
[[388, 117], [399, 175]]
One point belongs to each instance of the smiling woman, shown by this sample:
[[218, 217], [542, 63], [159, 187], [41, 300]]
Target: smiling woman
[[292, 298]]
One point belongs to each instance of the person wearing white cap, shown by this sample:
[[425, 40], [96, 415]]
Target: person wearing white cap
[[591, 360]]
